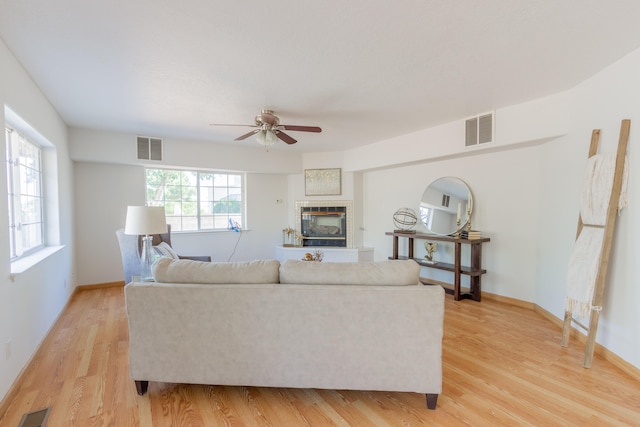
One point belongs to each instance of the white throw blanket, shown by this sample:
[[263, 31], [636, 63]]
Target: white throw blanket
[[584, 262]]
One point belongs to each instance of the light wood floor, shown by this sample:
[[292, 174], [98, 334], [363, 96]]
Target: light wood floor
[[503, 365]]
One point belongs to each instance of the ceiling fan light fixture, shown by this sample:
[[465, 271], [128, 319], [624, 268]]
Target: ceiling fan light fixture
[[266, 137], [268, 129]]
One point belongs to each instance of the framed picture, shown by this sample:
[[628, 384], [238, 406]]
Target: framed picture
[[323, 182]]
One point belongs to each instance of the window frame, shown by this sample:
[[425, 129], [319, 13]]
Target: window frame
[[194, 193], [426, 215], [16, 193]]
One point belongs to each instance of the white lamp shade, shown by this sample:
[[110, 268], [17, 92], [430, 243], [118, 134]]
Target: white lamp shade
[[145, 220]]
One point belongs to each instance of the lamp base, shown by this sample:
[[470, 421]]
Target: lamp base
[[146, 259]]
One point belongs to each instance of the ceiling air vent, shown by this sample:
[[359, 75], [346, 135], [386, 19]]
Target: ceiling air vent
[[149, 148], [479, 130]]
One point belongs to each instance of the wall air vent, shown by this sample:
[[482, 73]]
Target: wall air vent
[[445, 200], [479, 130], [149, 148]]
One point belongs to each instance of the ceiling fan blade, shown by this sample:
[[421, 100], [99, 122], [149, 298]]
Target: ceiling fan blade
[[247, 135], [302, 128], [286, 138], [226, 124]]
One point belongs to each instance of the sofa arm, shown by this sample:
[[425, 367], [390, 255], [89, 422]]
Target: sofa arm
[[204, 258]]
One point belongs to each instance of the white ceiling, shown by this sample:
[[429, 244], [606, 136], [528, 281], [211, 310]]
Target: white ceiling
[[363, 70]]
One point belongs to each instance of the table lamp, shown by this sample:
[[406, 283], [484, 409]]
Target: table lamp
[[145, 221]]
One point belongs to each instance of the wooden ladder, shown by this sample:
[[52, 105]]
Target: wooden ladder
[[609, 227]]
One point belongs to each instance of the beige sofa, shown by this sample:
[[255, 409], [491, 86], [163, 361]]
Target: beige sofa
[[352, 326]]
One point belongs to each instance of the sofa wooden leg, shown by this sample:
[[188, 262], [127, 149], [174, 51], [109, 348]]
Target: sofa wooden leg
[[143, 386], [432, 399]]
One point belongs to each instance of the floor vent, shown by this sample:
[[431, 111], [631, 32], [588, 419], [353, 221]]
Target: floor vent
[[35, 419], [479, 130], [149, 148]]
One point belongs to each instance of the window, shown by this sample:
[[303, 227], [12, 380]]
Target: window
[[426, 216], [197, 200], [24, 189]]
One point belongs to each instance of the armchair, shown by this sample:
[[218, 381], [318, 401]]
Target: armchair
[[131, 247]]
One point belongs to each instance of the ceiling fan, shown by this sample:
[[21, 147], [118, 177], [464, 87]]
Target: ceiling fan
[[269, 130]]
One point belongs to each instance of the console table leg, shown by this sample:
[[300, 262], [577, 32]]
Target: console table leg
[[476, 264], [395, 247], [474, 288], [457, 269]]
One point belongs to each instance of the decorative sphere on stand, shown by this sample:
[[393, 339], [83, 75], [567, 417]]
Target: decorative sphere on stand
[[405, 219]]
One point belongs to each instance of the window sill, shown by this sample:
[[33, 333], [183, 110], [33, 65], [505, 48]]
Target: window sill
[[220, 230], [23, 264]]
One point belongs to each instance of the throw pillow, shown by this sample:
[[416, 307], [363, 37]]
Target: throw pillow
[[166, 251]]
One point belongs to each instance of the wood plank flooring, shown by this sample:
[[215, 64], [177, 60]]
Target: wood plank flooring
[[503, 365]]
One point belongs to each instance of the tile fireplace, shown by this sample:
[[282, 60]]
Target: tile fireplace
[[326, 223]]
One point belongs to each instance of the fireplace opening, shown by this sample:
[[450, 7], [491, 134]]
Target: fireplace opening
[[324, 226], [324, 223]]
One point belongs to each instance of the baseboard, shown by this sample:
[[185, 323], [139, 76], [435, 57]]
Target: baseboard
[[578, 334], [99, 286], [508, 300], [599, 349], [13, 390]]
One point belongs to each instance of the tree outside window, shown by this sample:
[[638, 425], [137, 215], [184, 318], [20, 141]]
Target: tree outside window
[[197, 200]]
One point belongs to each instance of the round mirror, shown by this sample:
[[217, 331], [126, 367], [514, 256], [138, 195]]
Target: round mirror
[[444, 202]]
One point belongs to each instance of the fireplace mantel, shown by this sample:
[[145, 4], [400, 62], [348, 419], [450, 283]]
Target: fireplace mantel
[[329, 254]]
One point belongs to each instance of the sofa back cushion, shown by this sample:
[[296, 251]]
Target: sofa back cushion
[[392, 272], [168, 270]]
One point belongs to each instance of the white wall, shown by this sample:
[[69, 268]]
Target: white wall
[[108, 178], [103, 192], [600, 102], [119, 148], [32, 301], [498, 213], [526, 188]]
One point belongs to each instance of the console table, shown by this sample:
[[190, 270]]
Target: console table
[[474, 270]]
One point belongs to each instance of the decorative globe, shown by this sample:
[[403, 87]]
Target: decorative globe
[[405, 219]]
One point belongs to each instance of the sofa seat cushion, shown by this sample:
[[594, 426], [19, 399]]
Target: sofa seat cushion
[[168, 270], [392, 272]]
